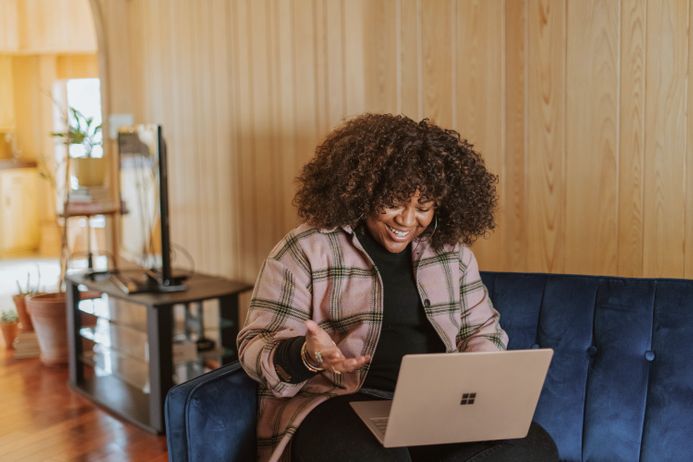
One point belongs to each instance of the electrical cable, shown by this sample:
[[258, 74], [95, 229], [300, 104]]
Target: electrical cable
[[187, 254]]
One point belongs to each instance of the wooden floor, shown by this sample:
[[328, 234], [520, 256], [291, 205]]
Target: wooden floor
[[41, 419]]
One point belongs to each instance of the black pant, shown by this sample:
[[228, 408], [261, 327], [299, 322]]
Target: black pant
[[333, 432]]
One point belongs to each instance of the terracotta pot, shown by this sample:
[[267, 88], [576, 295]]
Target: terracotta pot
[[90, 171], [49, 315], [9, 333], [24, 318]]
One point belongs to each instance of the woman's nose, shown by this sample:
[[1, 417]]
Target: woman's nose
[[407, 217]]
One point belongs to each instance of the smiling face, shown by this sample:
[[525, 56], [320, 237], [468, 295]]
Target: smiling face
[[395, 227]]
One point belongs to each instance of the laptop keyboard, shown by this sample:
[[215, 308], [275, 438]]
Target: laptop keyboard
[[380, 423]]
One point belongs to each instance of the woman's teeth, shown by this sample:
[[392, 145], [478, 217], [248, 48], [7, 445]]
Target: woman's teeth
[[397, 232]]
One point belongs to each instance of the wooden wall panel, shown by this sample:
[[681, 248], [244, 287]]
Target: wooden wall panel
[[409, 52], [381, 61], [438, 47], [288, 97], [515, 204], [688, 203], [333, 62], [591, 137], [263, 131], [545, 170], [632, 138], [665, 139], [224, 241], [248, 255], [205, 102], [580, 107], [187, 221], [478, 103], [355, 47]]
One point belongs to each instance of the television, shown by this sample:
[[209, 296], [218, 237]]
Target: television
[[145, 240]]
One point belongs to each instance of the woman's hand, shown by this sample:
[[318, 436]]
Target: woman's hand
[[319, 345]]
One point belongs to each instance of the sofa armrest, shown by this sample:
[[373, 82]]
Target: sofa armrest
[[212, 417]]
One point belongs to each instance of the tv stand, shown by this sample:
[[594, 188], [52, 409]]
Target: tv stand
[[126, 351]]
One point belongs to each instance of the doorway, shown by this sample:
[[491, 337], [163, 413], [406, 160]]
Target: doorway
[[46, 50]]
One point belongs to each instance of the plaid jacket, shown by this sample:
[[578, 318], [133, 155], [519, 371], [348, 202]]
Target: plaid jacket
[[327, 276]]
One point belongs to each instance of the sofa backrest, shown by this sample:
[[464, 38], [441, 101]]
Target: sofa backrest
[[620, 386]]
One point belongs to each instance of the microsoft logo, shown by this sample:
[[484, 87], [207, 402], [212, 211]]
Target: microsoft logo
[[468, 398]]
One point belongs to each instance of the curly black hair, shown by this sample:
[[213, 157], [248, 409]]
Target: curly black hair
[[375, 161]]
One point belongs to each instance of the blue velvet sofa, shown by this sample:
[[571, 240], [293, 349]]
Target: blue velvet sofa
[[620, 387]]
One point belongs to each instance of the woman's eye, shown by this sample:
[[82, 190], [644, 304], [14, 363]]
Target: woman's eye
[[390, 209]]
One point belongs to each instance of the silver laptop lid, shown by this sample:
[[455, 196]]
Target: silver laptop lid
[[460, 397]]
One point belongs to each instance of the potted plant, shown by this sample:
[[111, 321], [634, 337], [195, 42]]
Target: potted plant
[[49, 316], [26, 343], [9, 322], [25, 324], [82, 131], [48, 310]]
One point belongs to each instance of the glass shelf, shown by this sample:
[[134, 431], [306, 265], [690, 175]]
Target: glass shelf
[[116, 311], [125, 360], [123, 313], [107, 362], [122, 339]]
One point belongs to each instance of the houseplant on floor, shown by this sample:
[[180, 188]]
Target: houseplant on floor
[[26, 344], [9, 322], [19, 300], [50, 323]]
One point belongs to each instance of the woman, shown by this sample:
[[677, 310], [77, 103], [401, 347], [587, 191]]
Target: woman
[[381, 268]]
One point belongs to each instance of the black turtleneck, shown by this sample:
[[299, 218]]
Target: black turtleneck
[[406, 329]]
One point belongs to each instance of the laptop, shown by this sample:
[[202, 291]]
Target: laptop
[[459, 397]]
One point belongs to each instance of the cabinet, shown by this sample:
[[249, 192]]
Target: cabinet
[[19, 212], [126, 351]]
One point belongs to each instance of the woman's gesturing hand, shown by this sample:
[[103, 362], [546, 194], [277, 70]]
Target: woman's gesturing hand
[[325, 353]]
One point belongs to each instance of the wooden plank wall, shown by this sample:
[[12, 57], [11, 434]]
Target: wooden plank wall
[[581, 107], [46, 26]]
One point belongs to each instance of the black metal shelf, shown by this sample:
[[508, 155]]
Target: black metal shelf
[[123, 357]]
